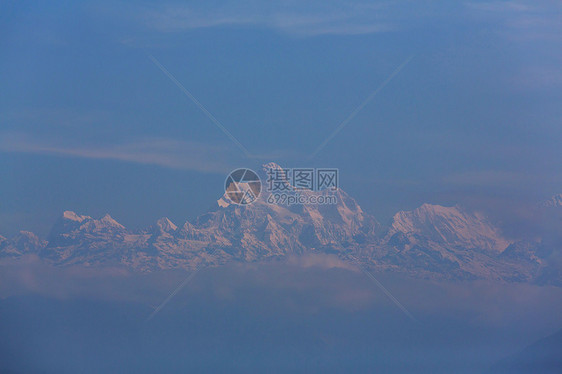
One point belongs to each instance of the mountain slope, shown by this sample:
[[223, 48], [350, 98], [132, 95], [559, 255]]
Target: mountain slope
[[24, 243], [431, 241], [451, 226]]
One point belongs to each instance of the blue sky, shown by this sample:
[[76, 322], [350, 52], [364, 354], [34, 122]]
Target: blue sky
[[89, 123]]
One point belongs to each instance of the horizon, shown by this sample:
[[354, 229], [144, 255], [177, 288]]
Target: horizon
[[211, 208]]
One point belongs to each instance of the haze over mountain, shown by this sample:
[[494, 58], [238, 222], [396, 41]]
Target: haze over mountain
[[431, 241]]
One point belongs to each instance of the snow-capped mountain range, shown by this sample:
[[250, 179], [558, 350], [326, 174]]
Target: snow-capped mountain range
[[431, 241]]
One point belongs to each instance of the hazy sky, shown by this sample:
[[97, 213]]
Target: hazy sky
[[89, 123]]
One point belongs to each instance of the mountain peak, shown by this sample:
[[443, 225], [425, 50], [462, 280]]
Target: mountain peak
[[453, 225], [27, 234], [166, 225], [72, 216], [271, 165], [25, 242], [108, 220], [431, 240], [438, 209]]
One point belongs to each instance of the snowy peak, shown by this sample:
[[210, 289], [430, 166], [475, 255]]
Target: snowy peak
[[424, 218], [299, 227], [104, 224], [71, 216], [166, 225], [72, 225], [27, 241], [448, 225], [271, 166], [108, 221], [429, 241], [23, 243], [278, 171]]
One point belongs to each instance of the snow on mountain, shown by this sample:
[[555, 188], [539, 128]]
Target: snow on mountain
[[76, 239], [430, 241], [449, 241], [105, 224], [71, 223], [230, 232], [23, 243], [71, 216], [453, 226], [165, 225], [264, 229]]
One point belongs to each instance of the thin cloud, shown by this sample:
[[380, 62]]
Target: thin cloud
[[169, 153], [522, 21], [499, 6], [296, 18]]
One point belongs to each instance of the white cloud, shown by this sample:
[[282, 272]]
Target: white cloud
[[163, 152], [499, 6], [516, 19], [522, 20], [298, 18]]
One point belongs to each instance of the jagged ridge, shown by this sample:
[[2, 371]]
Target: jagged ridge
[[430, 241]]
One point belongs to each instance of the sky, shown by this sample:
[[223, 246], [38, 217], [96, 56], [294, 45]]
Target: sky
[[89, 122]]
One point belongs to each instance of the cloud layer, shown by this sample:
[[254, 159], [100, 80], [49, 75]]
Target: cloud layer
[[165, 152], [297, 18]]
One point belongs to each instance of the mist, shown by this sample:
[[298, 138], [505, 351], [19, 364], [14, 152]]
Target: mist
[[309, 314]]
